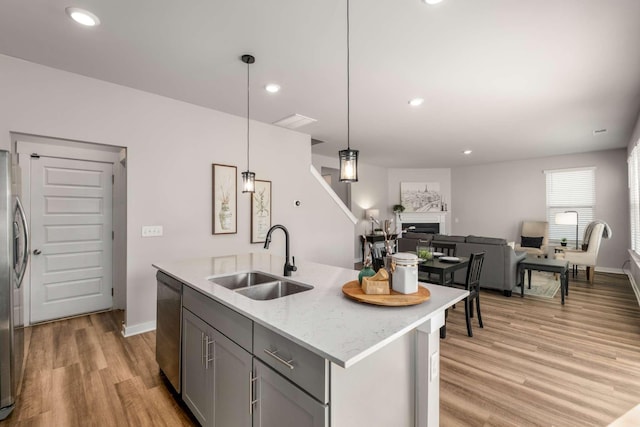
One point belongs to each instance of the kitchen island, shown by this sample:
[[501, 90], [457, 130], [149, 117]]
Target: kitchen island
[[381, 363]]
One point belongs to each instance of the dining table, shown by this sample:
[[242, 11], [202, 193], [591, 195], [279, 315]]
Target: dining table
[[444, 269]]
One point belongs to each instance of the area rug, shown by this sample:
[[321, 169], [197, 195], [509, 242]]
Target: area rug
[[543, 285]]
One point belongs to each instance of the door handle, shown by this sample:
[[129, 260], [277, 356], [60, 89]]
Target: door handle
[[25, 255], [37, 251]]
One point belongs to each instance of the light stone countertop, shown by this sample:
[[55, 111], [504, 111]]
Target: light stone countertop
[[321, 320]]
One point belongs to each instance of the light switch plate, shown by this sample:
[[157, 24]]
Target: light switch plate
[[152, 231]]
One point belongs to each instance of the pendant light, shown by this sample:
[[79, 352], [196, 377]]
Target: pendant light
[[248, 177], [348, 157]]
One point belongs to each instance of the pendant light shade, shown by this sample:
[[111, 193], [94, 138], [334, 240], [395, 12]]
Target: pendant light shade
[[248, 182], [348, 157], [348, 165], [248, 177]]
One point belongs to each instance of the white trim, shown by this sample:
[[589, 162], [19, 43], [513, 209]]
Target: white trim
[[610, 270], [333, 194], [634, 286], [140, 328], [584, 168]]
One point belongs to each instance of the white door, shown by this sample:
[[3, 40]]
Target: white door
[[71, 237]]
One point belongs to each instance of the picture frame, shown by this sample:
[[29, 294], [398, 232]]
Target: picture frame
[[260, 211], [224, 199], [421, 196]]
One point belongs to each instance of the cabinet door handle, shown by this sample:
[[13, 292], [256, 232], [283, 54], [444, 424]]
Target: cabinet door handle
[[274, 354], [202, 354], [208, 356], [252, 401]]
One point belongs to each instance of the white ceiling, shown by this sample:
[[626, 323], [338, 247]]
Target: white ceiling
[[508, 79]]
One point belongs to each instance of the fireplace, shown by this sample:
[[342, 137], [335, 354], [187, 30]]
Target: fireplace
[[424, 222], [422, 227]]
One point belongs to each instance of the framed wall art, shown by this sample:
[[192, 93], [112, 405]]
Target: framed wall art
[[420, 196], [225, 199], [260, 211]]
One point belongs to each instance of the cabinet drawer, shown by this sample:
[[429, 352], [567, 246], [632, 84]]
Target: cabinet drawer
[[232, 324], [306, 369]]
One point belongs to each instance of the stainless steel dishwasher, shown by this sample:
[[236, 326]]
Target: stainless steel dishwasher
[[168, 327]]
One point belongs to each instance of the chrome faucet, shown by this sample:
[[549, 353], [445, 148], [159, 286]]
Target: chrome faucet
[[288, 268]]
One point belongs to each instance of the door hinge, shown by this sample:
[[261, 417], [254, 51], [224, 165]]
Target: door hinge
[[113, 235], [35, 156], [113, 179], [111, 291]]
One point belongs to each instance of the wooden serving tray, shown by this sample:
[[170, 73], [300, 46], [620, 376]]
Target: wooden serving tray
[[353, 290]]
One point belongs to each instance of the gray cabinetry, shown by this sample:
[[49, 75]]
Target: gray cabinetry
[[225, 384], [197, 377], [217, 375], [232, 383], [282, 404]]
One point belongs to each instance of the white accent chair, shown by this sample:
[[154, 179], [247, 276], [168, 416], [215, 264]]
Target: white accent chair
[[534, 229], [589, 257]]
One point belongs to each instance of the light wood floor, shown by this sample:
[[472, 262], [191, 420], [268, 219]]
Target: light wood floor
[[537, 362], [83, 372], [534, 363]]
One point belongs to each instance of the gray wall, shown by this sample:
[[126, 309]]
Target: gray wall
[[171, 146], [493, 199], [370, 192], [442, 176]]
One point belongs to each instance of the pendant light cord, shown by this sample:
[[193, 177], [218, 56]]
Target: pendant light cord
[[248, 65], [348, 85]]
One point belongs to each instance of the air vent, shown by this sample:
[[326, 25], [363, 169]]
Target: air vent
[[294, 121], [599, 131]]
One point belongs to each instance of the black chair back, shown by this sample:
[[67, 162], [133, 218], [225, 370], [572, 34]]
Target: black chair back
[[474, 270], [447, 248]]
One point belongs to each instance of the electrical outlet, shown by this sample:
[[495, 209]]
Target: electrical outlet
[[434, 364], [152, 231]]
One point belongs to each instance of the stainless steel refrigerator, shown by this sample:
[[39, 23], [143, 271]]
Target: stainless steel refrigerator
[[14, 256]]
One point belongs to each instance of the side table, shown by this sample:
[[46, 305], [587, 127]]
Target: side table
[[559, 266]]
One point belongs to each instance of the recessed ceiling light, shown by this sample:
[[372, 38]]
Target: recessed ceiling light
[[467, 152], [82, 16], [415, 102], [272, 88], [432, 1]]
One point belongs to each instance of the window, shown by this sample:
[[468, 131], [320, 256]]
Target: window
[[634, 198], [570, 190]]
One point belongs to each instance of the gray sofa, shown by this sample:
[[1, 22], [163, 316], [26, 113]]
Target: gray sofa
[[500, 269]]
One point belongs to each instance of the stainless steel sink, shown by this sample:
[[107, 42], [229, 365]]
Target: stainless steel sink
[[273, 290], [260, 286], [244, 280]]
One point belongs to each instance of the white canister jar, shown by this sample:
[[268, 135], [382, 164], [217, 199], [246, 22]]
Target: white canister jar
[[405, 273]]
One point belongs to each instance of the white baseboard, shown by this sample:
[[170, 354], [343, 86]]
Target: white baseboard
[[634, 286], [609, 270], [140, 328]]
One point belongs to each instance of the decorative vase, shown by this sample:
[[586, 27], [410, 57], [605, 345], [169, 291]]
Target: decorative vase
[[225, 216], [563, 243], [367, 271]]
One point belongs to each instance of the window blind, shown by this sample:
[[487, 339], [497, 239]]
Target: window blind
[[634, 198], [570, 190]]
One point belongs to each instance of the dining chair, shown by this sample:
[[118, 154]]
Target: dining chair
[[447, 249], [472, 285]]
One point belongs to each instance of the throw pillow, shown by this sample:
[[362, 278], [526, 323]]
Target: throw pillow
[[531, 242]]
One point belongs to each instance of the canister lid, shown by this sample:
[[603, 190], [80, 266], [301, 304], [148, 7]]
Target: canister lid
[[405, 257]]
